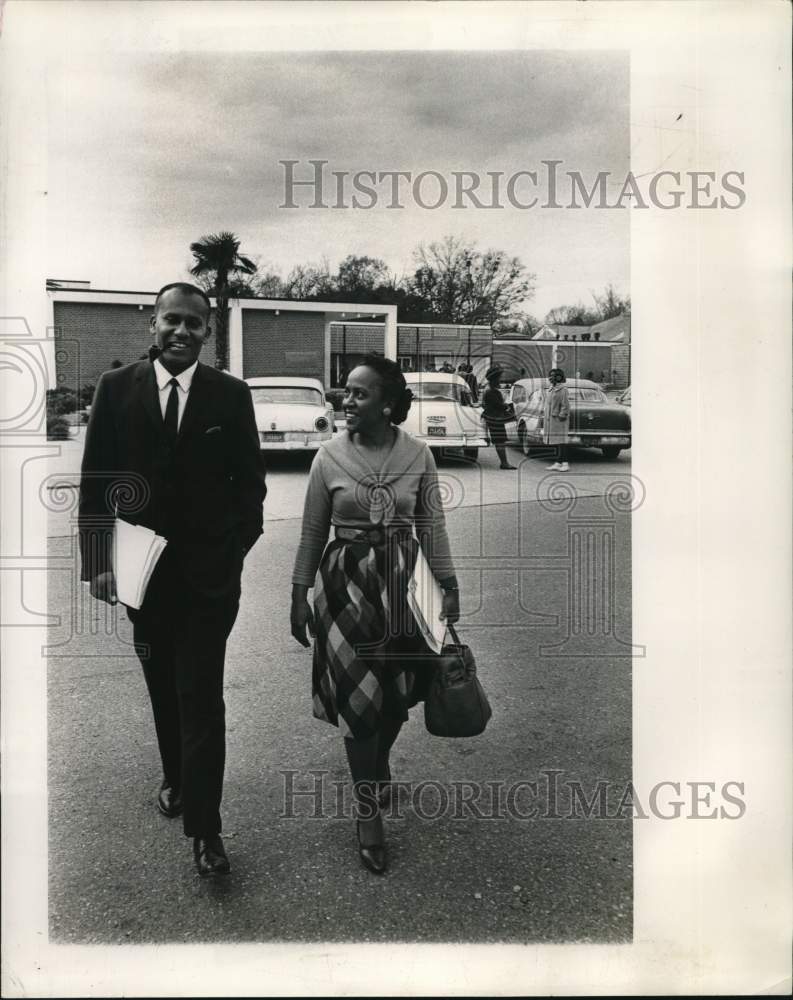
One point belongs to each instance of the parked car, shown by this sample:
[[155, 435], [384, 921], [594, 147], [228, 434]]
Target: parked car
[[292, 414], [443, 414], [624, 398], [524, 388], [595, 420]]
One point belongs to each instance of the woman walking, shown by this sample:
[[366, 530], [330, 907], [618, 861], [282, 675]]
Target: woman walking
[[377, 486], [496, 413], [557, 419]]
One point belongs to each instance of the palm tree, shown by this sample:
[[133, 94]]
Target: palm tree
[[218, 257]]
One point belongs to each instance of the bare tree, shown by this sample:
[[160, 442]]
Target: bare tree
[[611, 303], [577, 315], [464, 285], [307, 281]]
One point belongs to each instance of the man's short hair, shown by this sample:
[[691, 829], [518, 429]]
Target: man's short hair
[[187, 289]]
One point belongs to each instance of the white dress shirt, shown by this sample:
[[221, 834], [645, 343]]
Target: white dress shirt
[[184, 380]]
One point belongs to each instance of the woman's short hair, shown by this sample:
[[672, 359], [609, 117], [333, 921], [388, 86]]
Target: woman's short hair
[[394, 386], [559, 372]]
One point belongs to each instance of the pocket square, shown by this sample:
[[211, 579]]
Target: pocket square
[[212, 430]]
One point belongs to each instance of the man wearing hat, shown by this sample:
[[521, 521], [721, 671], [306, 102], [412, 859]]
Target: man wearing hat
[[496, 413]]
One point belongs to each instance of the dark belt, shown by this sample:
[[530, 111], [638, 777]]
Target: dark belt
[[373, 536]]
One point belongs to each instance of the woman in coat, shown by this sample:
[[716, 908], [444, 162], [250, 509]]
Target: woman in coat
[[557, 418], [496, 413], [378, 488]]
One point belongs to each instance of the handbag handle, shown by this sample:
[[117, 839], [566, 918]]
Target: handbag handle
[[452, 631]]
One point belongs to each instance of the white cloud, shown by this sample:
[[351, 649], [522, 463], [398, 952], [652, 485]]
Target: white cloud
[[149, 152]]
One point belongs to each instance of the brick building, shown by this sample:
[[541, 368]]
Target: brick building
[[419, 346], [601, 352], [94, 330]]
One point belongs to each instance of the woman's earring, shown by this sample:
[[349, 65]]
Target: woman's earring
[[387, 411]]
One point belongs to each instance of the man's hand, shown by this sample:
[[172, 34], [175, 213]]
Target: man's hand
[[301, 617], [103, 587], [451, 607]]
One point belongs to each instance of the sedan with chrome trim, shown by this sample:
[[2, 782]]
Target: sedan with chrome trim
[[442, 413], [595, 420], [292, 414]]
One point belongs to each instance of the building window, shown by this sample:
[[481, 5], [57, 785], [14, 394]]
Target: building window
[[405, 362]]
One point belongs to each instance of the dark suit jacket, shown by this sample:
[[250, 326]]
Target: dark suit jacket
[[204, 492]]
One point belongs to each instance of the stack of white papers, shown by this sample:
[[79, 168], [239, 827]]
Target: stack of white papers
[[135, 553], [425, 600]]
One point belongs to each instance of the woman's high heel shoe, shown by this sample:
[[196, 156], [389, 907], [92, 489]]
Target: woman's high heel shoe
[[373, 856]]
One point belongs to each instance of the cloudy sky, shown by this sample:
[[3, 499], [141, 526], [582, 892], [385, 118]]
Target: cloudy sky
[[149, 152]]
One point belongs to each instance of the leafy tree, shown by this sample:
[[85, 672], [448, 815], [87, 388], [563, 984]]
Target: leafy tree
[[517, 322], [361, 274], [464, 285], [268, 285], [218, 257]]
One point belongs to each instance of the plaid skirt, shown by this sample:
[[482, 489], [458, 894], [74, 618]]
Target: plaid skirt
[[370, 660]]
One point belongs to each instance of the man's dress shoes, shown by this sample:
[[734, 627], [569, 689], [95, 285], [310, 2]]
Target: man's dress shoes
[[210, 856], [169, 802]]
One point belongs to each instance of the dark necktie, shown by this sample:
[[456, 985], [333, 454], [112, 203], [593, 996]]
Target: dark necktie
[[172, 410]]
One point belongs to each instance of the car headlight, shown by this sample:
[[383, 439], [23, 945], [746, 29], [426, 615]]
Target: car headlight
[[321, 423]]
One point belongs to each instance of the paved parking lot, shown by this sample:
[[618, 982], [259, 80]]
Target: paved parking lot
[[119, 872]]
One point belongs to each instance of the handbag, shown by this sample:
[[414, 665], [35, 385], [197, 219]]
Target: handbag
[[456, 704]]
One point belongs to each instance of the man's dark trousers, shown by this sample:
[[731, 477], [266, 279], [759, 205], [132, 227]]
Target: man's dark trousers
[[181, 643]]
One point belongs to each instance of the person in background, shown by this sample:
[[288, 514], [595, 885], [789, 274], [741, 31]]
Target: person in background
[[467, 372], [557, 418], [496, 413], [378, 488]]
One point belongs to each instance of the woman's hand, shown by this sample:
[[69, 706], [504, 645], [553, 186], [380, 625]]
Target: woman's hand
[[103, 588], [451, 606], [301, 617]]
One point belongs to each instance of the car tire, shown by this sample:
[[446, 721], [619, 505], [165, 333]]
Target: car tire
[[525, 445], [472, 454], [611, 452]]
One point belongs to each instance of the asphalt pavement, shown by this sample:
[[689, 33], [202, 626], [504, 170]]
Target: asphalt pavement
[[546, 595]]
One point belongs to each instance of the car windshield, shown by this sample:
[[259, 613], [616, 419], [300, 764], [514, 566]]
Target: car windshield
[[439, 390], [286, 394], [587, 395]]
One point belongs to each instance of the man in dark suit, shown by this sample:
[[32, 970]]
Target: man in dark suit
[[184, 435]]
